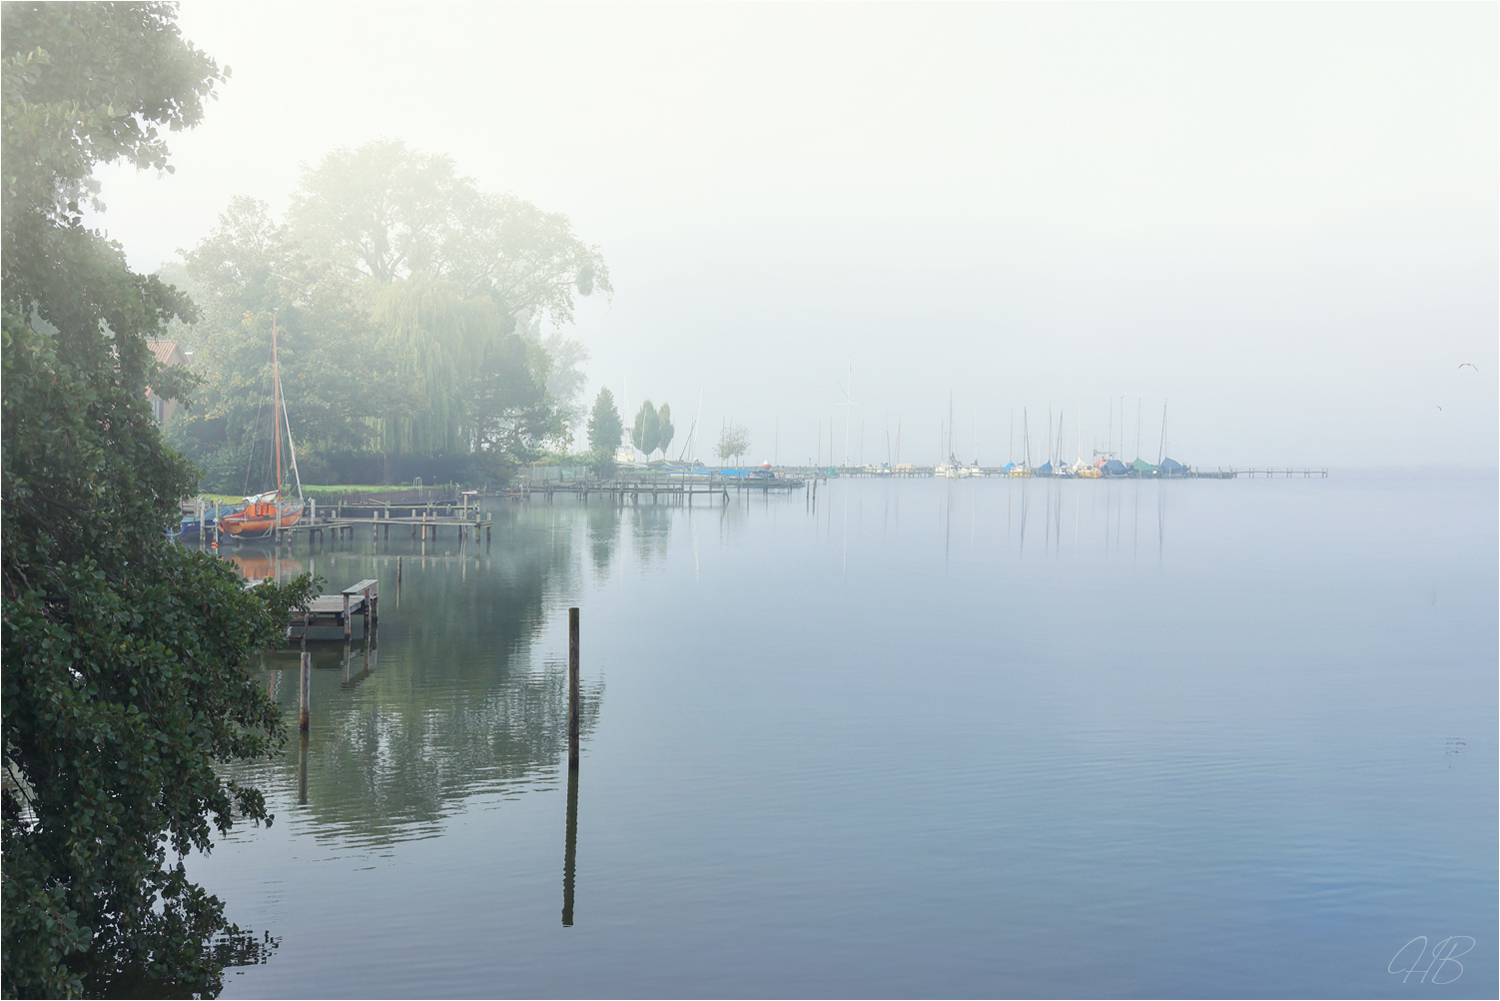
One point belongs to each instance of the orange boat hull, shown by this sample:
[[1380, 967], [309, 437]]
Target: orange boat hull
[[258, 519]]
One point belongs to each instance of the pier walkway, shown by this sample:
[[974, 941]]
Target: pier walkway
[[338, 610]]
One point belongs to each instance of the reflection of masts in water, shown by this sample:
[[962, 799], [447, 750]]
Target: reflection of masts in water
[[1161, 523], [1022, 547]]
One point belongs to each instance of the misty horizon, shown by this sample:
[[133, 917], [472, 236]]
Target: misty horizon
[[1278, 221]]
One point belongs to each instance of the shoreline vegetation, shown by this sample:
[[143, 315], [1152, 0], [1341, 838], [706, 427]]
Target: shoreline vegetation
[[127, 657]]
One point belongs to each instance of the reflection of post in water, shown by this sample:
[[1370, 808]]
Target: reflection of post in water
[[305, 716], [302, 768], [570, 847]]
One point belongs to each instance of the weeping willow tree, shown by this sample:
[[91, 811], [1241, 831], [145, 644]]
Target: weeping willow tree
[[437, 337], [475, 385]]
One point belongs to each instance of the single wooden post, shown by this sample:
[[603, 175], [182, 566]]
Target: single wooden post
[[573, 689], [306, 713], [347, 631]]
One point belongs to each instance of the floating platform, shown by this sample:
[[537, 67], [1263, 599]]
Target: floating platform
[[338, 610]]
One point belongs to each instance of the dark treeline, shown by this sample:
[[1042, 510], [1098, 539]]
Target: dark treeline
[[409, 309], [126, 658]]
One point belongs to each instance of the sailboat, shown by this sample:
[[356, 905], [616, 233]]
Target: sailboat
[[268, 512], [951, 468]]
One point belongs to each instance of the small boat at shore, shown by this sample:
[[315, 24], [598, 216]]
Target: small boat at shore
[[262, 515]]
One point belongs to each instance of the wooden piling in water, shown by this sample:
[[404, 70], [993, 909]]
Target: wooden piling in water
[[572, 689], [305, 716]]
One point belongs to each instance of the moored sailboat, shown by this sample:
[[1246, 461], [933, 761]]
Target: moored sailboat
[[270, 512]]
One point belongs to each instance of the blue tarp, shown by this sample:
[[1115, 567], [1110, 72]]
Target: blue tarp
[[1045, 469], [1171, 467], [1114, 467]]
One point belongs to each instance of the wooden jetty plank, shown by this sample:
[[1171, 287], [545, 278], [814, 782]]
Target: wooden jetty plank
[[339, 609]]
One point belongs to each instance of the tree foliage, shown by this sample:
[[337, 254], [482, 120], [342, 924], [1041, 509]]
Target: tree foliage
[[645, 433], [734, 441], [125, 657], [664, 429], [605, 430], [413, 306], [388, 212], [339, 377]]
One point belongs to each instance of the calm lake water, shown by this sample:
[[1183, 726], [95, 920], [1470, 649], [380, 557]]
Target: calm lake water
[[974, 738]]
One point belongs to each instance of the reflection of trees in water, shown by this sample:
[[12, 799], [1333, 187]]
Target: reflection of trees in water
[[650, 528], [386, 772], [230, 948], [734, 517], [454, 705], [604, 536]]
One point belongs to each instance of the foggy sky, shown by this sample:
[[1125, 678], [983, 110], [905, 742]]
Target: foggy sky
[[1280, 219]]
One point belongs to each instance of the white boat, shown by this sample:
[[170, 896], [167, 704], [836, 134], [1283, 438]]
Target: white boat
[[952, 469]]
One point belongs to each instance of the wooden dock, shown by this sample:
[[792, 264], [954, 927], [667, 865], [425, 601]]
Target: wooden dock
[[677, 488], [338, 610]]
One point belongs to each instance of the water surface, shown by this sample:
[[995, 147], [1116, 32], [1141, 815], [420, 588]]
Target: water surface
[[925, 738]]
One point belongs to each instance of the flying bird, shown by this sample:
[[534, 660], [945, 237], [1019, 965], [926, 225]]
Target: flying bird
[[1469, 364], [1440, 408]]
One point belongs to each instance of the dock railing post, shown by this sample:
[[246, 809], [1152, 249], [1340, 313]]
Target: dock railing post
[[306, 714], [573, 689], [347, 631]]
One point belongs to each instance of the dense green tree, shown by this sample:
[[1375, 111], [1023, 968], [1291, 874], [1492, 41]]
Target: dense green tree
[[339, 376], [664, 428], [606, 430], [387, 212], [125, 657], [652, 429], [411, 306], [646, 431]]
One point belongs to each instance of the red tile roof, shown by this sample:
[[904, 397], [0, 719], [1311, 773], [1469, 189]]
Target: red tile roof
[[163, 350]]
